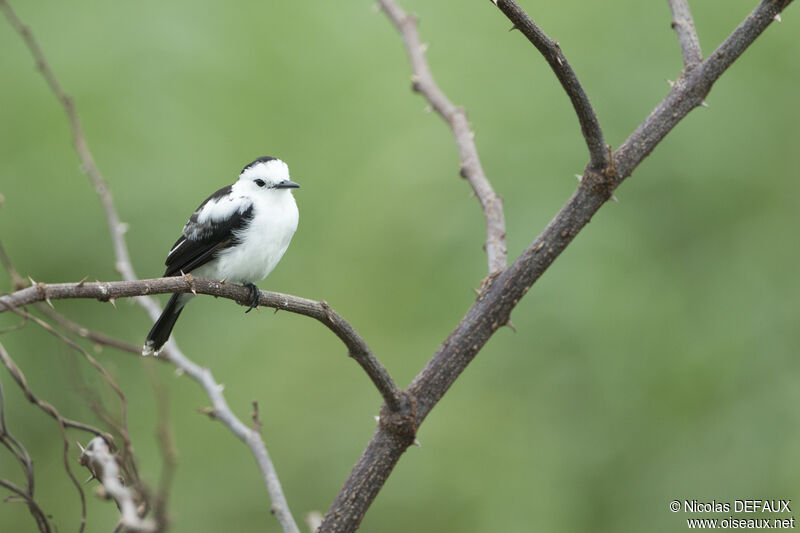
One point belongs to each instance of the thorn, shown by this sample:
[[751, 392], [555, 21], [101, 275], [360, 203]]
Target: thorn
[[179, 372], [81, 282], [189, 279], [88, 479], [671, 83], [220, 387], [477, 291], [122, 228], [428, 108], [512, 28], [579, 176], [377, 418], [511, 325], [113, 301], [614, 199], [417, 443], [208, 411], [31, 280], [81, 447], [423, 47], [704, 104], [47, 299], [494, 2], [777, 17], [274, 312], [223, 280]]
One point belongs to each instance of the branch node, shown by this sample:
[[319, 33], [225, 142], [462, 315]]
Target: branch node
[[402, 422]]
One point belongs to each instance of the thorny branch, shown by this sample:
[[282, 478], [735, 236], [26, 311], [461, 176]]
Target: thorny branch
[[499, 297], [501, 293], [320, 311], [102, 464], [456, 118]]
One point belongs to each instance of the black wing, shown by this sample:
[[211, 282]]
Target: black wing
[[201, 242]]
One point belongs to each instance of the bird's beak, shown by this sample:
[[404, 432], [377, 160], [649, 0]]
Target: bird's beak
[[286, 184]]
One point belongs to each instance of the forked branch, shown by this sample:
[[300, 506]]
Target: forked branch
[[499, 297]]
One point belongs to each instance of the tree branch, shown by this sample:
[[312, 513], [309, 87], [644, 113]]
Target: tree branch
[[550, 49], [320, 311], [691, 92], [456, 118], [499, 297], [23, 457], [683, 24], [63, 424], [172, 353], [97, 458], [94, 336]]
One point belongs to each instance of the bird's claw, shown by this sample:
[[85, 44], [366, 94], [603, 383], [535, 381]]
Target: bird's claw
[[254, 297]]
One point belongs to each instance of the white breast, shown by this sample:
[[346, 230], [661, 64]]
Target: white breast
[[262, 243]]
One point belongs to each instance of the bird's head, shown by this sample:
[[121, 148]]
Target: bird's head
[[266, 174]]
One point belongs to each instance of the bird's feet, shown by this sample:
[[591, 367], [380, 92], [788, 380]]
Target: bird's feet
[[254, 297]]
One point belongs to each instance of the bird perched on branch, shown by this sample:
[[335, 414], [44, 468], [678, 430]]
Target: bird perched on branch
[[238, 234]]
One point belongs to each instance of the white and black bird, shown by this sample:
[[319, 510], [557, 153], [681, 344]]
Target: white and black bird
[[238, 234]]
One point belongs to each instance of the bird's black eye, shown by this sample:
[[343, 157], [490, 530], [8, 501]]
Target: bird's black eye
[[260, 183]]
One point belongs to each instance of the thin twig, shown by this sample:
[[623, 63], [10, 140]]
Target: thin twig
[[86, 333], [683, 24], [166, 447], [36, 511], [456, 118], [23, 457], [550, 49], [499, 297], [17, 282], [121, 428], [19, 377], [63, 423]]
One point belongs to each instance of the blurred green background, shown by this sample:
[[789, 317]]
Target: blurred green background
[[656, 360]]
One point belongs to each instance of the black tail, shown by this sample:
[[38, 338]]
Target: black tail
[[159, 335]]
